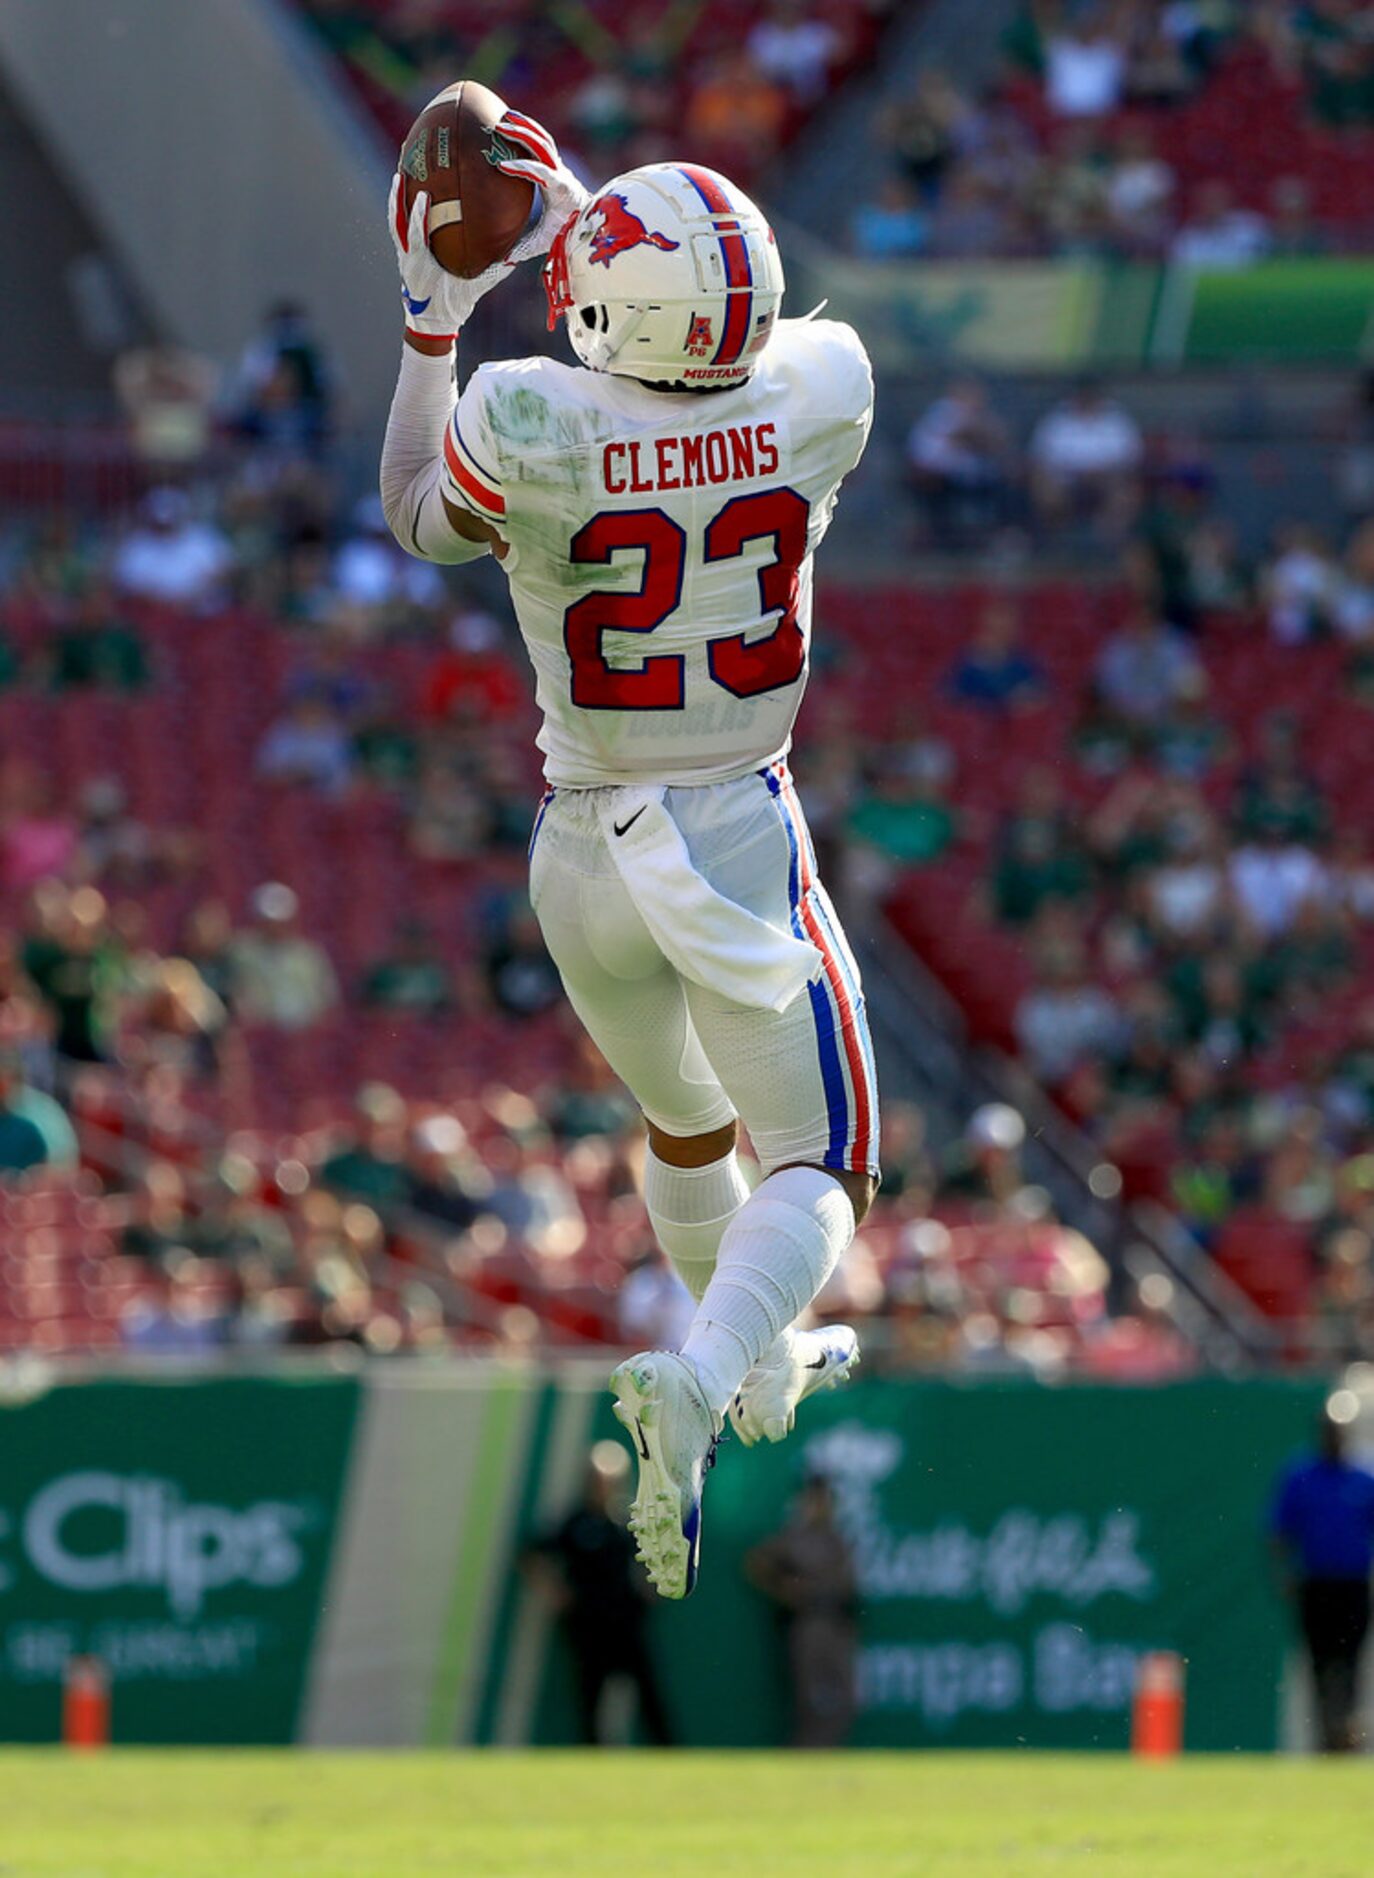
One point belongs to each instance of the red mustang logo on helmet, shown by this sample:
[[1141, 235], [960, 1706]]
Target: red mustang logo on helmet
[[620, 230]]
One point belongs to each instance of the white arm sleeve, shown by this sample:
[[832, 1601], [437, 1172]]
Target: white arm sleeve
[[413, 460]]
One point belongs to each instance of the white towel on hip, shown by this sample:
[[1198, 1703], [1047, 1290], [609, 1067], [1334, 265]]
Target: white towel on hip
[[713, 941]]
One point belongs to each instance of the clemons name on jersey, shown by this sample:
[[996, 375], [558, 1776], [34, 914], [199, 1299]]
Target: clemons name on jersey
[[661, 547]]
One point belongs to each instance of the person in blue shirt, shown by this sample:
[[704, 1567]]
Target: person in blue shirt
[[893, 226], [994, 671], [1322, 1527]]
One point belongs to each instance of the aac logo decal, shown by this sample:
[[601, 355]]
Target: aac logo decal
[[700, 337], [620, 230]]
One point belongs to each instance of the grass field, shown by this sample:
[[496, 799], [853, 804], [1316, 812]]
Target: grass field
[[263, 1815]]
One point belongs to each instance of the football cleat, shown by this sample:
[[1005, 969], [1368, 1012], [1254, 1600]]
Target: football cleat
[[659, 1401], [766, 1405]]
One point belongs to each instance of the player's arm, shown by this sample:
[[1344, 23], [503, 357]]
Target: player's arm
[[462, 521], [418, 513], [438, 503]]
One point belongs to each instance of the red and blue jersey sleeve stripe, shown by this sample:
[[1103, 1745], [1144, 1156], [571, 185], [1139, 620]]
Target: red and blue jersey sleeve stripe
[[739, 272], [477, 486]]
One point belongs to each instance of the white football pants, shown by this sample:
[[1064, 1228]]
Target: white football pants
[[802, 1081]]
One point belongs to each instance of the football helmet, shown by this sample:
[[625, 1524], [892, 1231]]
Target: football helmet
[[670, 274]]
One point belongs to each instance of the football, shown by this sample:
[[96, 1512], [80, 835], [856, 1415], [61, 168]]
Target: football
[[477, 213]]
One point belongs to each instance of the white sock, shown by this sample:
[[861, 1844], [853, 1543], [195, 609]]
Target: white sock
[[774, 1257], [689, 1209]]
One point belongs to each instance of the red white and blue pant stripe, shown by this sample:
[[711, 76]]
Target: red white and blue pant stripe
[[843, 1044]]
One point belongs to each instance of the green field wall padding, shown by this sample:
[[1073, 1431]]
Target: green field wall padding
[[336, 1559]]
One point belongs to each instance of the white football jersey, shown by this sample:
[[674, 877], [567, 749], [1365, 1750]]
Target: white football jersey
[[661, 547]]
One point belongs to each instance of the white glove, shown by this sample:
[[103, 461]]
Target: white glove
[[436, 302], [561, 193]]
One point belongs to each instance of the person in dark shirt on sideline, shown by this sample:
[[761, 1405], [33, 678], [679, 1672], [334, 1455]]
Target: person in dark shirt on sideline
[[588, 1571], [1322, 1528], [806, 1570]]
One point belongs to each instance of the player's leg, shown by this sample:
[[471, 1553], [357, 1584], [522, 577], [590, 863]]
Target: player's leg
[[803, 1082], [774, 1258], [693, 1188], [593, 1670], [801, 1363], [632, 1004]]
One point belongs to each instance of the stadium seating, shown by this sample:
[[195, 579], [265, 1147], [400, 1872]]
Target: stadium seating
[[181, 763], [1251, 125], [351, 866], [543, 67]]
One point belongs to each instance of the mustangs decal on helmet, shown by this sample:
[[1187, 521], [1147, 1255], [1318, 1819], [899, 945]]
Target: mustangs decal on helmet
[[620, 230]]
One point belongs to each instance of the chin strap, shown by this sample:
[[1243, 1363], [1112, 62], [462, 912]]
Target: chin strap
[[611, 346]]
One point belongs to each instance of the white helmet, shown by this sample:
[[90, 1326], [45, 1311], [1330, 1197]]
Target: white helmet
[[670, 274]]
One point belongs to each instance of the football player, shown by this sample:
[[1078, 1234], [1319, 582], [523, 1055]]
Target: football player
[[657, 507]]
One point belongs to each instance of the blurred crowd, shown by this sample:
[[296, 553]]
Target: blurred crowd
[[1074, 148], [1180, 903], [1184, 876], [735, 81], [282, 1119], [176, 1055], [1082, 472], [1088, 480]]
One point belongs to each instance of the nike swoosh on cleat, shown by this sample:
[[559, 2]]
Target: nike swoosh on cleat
[[639, 1437], [819, 1363], [623, 828]]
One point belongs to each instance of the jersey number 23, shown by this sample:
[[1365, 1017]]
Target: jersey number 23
[[742, 667]]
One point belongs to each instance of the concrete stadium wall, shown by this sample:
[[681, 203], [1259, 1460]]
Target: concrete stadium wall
[[205, 141]]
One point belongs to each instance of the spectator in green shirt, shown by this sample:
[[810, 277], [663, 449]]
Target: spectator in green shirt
[[1276, 795], [369, 1164], [75, 960], [1338, 60], [34, 1129], [412, 976], [905, 818], [900, 820], [100, 647], [1039, 854]]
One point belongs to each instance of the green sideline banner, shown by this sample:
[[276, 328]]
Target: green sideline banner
[[180, 1531], [1018, 1548], [334, 1559], [1277, 312], [1080, 314], [1023, 316]]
